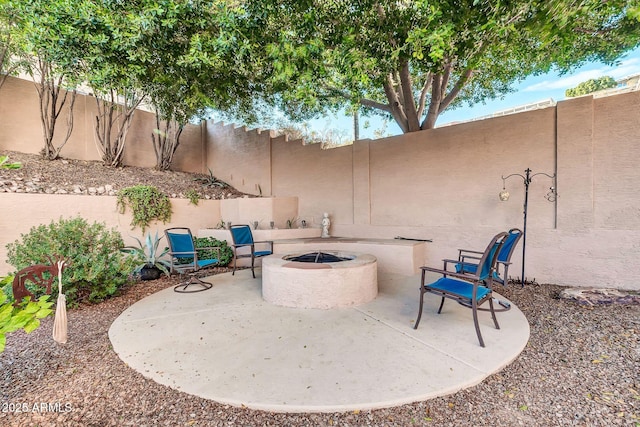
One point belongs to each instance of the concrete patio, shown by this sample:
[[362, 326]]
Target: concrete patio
[[229, 345]]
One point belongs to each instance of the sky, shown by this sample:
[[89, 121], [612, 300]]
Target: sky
[[532, 89]]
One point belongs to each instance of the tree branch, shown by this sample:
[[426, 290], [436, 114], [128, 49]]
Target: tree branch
[[407, 98], [396, 108], [423, 94]]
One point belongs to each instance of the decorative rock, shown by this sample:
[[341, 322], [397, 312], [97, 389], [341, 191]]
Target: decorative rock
[[100, 190], [92, 190], [588, 296], [62, 191], [108, 188]]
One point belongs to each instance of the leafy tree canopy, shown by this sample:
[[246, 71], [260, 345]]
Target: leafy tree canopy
[[591, 85], [413, 59]]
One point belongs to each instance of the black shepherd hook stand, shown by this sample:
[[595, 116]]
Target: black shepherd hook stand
[[504, 196]]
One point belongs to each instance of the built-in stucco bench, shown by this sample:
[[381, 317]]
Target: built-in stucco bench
[[401, 256]]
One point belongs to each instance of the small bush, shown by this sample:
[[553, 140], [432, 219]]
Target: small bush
[[226, 253], [147, 203], [98, 267]]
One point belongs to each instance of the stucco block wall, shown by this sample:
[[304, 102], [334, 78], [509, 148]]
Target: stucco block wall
[[21, 130], [239, 157], [39, 209], [616, 161], [451, 176], [321, 179]]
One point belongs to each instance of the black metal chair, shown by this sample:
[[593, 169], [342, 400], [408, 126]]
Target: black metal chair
[[184, 258], [469, 289], [245, 247]]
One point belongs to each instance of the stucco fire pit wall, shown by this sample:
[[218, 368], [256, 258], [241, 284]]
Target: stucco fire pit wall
[[319, 285]]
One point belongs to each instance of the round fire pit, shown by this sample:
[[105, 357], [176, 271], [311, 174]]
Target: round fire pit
[[319, 279]]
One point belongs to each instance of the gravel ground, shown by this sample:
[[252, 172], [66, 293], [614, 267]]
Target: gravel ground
[[580, 368]]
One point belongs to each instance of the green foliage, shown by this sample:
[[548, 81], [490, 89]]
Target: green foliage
[[193, 196], [411, 61], [226, 253], [4, 163], [147, 203], [590, 86], [148, 255], [211, 181], [26, 316], [97, 267]]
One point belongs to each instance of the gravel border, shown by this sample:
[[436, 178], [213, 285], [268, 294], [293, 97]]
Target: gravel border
[[581, 367]]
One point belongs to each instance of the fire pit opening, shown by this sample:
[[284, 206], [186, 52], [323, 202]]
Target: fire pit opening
[[319, 257]]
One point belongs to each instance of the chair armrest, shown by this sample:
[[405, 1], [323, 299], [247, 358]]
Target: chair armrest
[[468, 277], [449, 261], [181, 253], [463, 258], [460, 251], [239, 245], [269, 242]]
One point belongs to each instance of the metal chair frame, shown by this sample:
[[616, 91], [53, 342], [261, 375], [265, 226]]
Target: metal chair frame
[[176, 252], [243, 238], [470, 290]]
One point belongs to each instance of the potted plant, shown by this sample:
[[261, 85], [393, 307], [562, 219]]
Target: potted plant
[[151, 263]]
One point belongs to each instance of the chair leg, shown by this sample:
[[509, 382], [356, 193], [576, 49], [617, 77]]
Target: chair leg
[[252, 266], [421, 304], [182, 287], [441, 304], [493, 313], [474, 307], [235, 258]]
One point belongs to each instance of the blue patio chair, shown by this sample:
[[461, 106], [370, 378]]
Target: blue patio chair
[[245, 247], [468, 259], [469, 289], [184, 259]]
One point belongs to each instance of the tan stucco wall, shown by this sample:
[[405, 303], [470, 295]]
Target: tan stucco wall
[[36, 209], [240, 157], [21, 130], [443, 184], [321, 179]]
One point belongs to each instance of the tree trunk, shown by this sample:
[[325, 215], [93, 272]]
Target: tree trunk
[[166, 139], [51, 105], [112, 124]]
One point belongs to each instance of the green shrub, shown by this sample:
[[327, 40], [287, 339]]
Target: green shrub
[[226, 253], [193, 196], [147, 203], [98, 268]]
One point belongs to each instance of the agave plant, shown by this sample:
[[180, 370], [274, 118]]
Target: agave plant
[[149, 254], [211, 181]]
